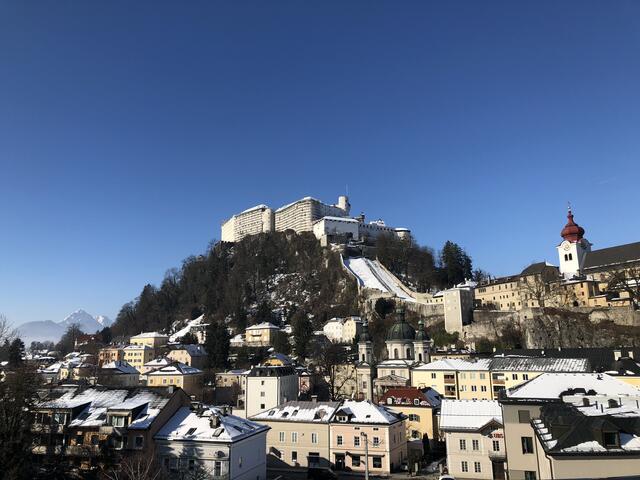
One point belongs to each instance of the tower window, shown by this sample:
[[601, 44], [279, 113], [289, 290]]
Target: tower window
[[395, 353], [566, 257], [570, 256]]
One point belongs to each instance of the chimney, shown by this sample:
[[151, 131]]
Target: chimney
[[314, 398], [617, 353], [214, 421]]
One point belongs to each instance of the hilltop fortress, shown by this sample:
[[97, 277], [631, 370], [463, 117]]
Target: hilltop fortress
[[329, 223]]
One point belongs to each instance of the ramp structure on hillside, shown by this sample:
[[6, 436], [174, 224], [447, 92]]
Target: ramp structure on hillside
[[372, 274]]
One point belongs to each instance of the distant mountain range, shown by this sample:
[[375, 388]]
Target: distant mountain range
[[40, 331]]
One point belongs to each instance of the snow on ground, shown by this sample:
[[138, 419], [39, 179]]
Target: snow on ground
[[370, 274]]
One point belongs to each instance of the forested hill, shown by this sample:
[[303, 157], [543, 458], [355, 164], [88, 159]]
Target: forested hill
[[243, 282], [246, 282]]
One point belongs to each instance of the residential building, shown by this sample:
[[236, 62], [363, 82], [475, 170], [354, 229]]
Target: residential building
[[590, 441], [266, 387], [209, 441], [359, 423], [85, 424], [151, 339], [421, 407], [299, 435], [522, 406], [192, 355], [118, 374], [138, 355], [261, 334], [343, 330], [154, 365], [474, 438], [109, 354], [189, 379]]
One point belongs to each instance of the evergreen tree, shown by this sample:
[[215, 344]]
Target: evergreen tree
[[16, 352], [105, 335], [455, 264], [67, 342], [302, 333], [281, 343], [217, 345], [188, 339]]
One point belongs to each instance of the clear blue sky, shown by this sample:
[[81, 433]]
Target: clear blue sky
[[130, 130]]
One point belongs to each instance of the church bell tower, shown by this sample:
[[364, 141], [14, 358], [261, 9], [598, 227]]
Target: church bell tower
[[573, 249]]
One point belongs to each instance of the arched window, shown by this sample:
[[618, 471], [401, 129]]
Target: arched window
[[419, 357], [363, 357], [395, 353], [408, 353]]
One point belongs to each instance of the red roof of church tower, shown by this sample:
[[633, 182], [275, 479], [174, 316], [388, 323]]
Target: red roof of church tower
[[572, 232]]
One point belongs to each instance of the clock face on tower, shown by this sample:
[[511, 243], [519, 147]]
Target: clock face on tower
[[566, 245]]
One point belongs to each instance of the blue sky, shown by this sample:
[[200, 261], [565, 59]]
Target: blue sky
[[130, 130]]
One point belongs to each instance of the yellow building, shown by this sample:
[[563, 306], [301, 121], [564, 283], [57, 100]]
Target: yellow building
[[261, 334], [110, 354], [150, 339], [420, 406], [188, 378], [138, 355], [192, 355]]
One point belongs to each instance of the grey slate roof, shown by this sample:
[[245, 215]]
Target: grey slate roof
[[529, 364], [612, 256], [537, 268]]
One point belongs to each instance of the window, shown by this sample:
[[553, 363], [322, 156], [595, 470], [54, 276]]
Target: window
[[610, 439], [433, 375], [118, 421], [377, 462], [464, 466], [339, 439], [314, 459], [514, 376], [463, 444], [314, 438], [474, 388], [527, 444], [483, 376], [139, 441], [281, 437], [483, 388], [496, 446], [262, 394], [376, 441], [525, 376], [476, 467], [395, 353], [475, 444], [262, 406], [356, 441], [294, 437], [523, 416], [217, 469], [355, 460], [414, 418], [529, 475], [294, 456], [191, 465]]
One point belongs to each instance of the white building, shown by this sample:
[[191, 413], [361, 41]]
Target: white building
[[342, 330], [329, 228], [265, 387], [209, 440], [252, 221], [474, 436], [300, 215], [458, 307]]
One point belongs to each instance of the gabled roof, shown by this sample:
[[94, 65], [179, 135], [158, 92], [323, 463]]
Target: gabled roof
[[175, 368], [299, 411], [211, 425], [262, 326], [192, 349], [469, 414], [425, 397], [537, 268], [119, 367], [612, 256], [150, 335], [365, 412]]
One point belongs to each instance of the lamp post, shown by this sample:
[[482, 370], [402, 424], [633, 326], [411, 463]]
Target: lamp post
[[366, 455]]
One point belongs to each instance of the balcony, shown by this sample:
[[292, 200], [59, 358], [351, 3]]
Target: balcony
[[498, 381], [449, 380]]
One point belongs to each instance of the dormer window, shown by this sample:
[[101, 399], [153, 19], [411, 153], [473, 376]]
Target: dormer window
[[118, 421], [416, 401], [389, 401], [612, 403], [611, 439]]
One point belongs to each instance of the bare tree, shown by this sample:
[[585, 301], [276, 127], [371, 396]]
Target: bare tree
[[136, 467], [7, 334], [333, 363], [628, 281]]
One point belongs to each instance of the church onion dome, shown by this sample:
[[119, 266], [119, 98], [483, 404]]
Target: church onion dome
[[401, 330], [572, 232], [421, 333]]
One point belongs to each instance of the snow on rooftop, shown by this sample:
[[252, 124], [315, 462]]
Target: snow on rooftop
[[469, 414], [149, 335], [457, 364], [544, 364], [262, 326], [298, 411], [262, 206], [284, 207], [120, 366], [366, 412], [209, 425], [175, 368], [159, 362], [552, 385]]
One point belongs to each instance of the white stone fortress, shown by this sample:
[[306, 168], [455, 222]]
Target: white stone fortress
[[329, 223]]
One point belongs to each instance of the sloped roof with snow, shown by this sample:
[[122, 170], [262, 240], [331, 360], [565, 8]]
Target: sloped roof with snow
[[366, 412], [469, 414], [120, 366], [192, 349], [425, 397], [550, 386], [149, 335], [457, 364], [299, 411], [532, 364], [208, 425], [175, 368], [262, 326]]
